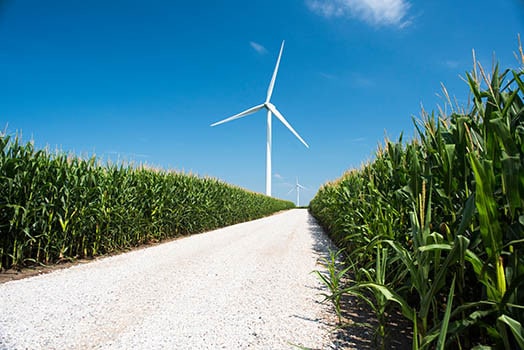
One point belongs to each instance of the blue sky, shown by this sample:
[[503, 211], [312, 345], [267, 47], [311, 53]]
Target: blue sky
[[142, 81]]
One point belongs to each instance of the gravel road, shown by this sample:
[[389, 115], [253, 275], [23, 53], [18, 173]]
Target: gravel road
[[245, 286]]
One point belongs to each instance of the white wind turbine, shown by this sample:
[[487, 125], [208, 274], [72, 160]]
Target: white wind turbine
[[297, 188], [271, 109]]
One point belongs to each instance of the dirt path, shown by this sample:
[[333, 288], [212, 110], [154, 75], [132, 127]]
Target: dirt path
[[244, 286]]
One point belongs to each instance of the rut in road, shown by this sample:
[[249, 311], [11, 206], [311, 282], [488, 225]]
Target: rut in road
[[245, 286]]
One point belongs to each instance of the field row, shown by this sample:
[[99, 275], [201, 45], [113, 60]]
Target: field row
[[434, 227], [55, 206]]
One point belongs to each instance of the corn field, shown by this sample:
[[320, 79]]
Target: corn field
[[434, 227], [55, 207]]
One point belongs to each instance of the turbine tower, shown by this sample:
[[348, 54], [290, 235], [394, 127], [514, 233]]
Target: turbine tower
[[297, 188], [271, 109]]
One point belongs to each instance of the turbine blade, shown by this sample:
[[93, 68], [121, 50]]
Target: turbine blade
[[302, 187], [280, 117], [272, 83], [291, 190], [240, 115]]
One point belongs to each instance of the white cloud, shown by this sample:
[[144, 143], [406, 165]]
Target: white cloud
[[451, 64], [278, 176], [258, 48], [361, 81], [328, 76], [375, 12], [126, 155]]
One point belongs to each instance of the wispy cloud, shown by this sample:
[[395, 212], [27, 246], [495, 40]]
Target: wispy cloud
[[451, 64], [328, 76], [278, 176], [375, 12], [362, 81], [354, 79], [126, 155], [258, 48]]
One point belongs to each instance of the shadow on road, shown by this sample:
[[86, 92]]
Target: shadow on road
[[359, 321]]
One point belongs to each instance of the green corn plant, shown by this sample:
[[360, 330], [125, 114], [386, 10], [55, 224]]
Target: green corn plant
[[333, 280], [368, 288], [55, 206], [449, 206]]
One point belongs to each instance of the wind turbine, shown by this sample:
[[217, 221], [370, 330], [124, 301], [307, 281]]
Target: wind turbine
[[297, 188], [271, 109]]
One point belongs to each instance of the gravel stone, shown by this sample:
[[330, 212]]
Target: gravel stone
[[247, 286]]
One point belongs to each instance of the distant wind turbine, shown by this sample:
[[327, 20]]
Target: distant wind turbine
[[297, 188], [271, 109]]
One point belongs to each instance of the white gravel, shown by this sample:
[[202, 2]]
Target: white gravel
[[244, 286]]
